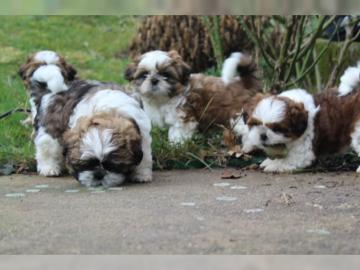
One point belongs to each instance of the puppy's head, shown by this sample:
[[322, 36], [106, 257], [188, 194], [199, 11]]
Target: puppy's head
[[159, 74], [42, 59], [103, 149], [274, 121]]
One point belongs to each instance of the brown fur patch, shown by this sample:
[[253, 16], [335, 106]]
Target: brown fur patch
[[335, 122], [126, 136], [295, 121], [60, 108], [27, 69], [211, 102]]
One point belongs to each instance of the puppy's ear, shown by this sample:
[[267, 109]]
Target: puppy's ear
[[69, 72], [130, 71], [183, 69], [298, 119], [22, 71], [185, 72], [136, 150]]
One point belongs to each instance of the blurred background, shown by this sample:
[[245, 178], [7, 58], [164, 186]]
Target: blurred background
[[179, 7]]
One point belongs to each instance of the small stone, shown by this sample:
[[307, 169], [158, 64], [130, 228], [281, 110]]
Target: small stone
[[33, 190], [188, 204], [97, 191], [226, 199], [319, 231], [238, 187], [15, 195], [115, 188], [320, 186], [71, 191], [253, 211], [222, 184], [42, 186]]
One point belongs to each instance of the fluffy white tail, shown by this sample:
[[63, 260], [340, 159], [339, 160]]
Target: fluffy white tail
[[349, 80], [52, 76], [229, 70], [238, 64]]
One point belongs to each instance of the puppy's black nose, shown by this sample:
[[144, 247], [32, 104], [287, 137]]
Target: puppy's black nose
[[99, 174], [263, 137], [154, 80]]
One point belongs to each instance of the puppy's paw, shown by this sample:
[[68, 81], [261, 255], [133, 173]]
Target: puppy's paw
[[265, 163], [143, 176], [49, 170], [278, 166], [358, 170]]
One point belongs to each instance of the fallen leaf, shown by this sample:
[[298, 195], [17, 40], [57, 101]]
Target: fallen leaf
[[230, 175]]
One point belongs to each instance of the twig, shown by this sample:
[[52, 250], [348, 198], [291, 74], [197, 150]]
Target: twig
[[200, 159], [298, 46], [310, 67], [344, 48], [256, 41], [8, 113]]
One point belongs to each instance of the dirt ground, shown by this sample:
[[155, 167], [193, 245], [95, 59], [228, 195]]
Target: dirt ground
[[165, 262], [183, 212]]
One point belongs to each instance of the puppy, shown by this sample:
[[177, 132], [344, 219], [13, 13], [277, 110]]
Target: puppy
[[44, 72], [173, 97], [100, 133], [303, 125]]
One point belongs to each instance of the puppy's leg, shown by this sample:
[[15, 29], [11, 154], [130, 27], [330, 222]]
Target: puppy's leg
[[355, 142], [143, 172], [181, 131], [301, 155], [49, 154]]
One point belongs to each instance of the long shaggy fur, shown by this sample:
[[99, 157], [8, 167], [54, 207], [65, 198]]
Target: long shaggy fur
[[185, 102], [309, 127]]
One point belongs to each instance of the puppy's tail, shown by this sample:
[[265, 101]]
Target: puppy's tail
[[240, 65], [49, 76], [350, 80]]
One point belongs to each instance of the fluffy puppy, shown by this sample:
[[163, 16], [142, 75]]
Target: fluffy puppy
[[98, 131], [44, 72], [185, 102], [305, 127]]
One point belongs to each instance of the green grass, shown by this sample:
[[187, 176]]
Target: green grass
[[90, 43]]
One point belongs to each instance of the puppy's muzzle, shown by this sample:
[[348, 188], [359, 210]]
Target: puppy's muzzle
[[99, 173]]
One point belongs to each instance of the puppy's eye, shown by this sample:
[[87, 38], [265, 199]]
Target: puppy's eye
[[84, 165], [166, 75], [142, 76], [281, 130]]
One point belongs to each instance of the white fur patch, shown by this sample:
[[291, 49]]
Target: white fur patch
[[349, 80], [110, 179], [49, 57], [51, 75], [108, 100], [97, 144], [49, 156], [229, 70], [302, 96], [270, 110], [151, 59]]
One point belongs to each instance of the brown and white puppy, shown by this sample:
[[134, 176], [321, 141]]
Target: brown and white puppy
[[185, 102], [98, 131], [44, 72], [305, 127]]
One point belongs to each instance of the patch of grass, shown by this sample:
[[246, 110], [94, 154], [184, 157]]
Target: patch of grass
[[88, 42]]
